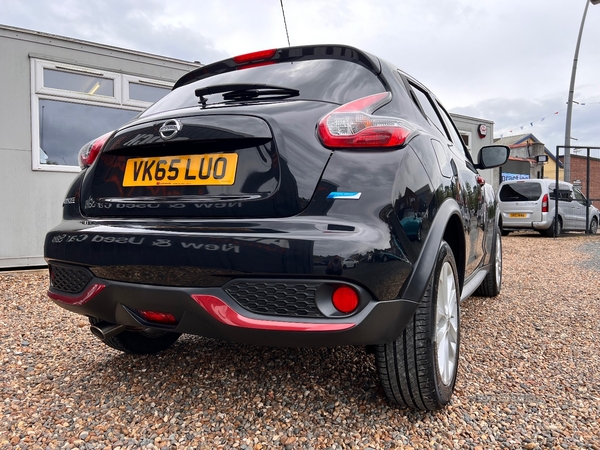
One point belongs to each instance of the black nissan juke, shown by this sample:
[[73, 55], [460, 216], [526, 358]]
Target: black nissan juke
[[305, 196]]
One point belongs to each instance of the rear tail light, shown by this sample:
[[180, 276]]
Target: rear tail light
[[255, 56], [545, 203], [90, 151], [353, 126], [255, 59]]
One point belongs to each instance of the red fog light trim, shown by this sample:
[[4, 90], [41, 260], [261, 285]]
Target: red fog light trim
[[345, 299], [352, 125], [79, 300], [224, 314], [90, 151], [255, 56], [158, 317]]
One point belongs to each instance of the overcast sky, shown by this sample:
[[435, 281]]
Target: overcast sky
[[508, 61]]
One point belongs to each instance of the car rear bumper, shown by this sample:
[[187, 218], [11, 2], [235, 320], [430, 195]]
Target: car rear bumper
[[219, 312], [214, 281], [527, 223]]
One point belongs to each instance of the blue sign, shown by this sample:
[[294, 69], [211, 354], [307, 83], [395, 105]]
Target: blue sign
[[514, 176]]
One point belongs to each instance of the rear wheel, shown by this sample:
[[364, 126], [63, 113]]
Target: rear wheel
[[490, 287], [594, 226], [555, 229], [142, 342], [418, 370], [559, 227], [503, 232]]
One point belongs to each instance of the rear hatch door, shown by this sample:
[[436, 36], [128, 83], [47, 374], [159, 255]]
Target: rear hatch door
[[236, 138], [521, 202], [226, 163]]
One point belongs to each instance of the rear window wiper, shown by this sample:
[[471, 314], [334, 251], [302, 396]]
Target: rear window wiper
[[246, 91]]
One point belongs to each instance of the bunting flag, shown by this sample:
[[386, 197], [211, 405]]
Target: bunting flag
[[531, 124]]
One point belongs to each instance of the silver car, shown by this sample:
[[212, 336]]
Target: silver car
[[529, 204]]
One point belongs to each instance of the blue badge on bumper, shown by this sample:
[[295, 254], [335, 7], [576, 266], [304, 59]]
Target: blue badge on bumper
[[344, 195]]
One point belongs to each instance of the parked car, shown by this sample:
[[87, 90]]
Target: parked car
[[212, 213], [349, 263], [530, 204]]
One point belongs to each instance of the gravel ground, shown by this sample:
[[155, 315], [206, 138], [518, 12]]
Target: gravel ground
[[529, 376]]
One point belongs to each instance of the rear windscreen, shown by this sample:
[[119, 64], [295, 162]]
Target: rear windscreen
[[520, 192], [329, 80]]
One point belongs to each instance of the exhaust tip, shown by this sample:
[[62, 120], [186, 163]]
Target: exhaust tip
[[106, 330]]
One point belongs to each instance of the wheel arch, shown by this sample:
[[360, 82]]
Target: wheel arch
[[455, 238], [447, 226]]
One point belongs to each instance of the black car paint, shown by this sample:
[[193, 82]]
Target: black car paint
[[140, 248]]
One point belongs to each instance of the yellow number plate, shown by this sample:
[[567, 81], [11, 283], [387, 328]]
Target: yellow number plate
[[201, 170], [518, 215]]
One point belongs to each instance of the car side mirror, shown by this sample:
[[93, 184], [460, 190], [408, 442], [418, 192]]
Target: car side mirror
[[492, 156]]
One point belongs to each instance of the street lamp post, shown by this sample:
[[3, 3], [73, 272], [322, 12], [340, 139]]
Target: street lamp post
[[571, 90]]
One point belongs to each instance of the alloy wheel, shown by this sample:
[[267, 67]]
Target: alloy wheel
[[498, 262], [446, 329]]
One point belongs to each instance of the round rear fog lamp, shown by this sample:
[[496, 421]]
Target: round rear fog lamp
[[345, 299]]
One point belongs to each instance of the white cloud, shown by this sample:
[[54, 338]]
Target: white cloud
[[504, 60]]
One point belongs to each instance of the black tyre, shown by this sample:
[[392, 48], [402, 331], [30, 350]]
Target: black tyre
[[594, 226], [503, 232], [140, 342], [418, 370], [490, 287], [555, 229]]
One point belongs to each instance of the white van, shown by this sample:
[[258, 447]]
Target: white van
[[529, 204]]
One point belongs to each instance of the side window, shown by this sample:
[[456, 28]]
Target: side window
[[429, 109], [454, 136], [579, 197], [71, 105], [459, 144], [564, 194]]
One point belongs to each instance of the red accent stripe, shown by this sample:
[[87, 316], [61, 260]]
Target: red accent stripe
[[79, 300], [225, 314]]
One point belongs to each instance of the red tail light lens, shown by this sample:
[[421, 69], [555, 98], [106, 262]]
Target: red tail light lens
[[89, 152], [545, 203], [255, 56], [353, 126]]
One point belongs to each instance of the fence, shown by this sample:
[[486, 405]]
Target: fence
[[575, 211]]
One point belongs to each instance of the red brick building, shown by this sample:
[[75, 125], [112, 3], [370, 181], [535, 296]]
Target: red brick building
[[579, 174]]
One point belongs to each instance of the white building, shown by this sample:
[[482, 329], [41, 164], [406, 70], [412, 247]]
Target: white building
[[56, 94], [478, 133]]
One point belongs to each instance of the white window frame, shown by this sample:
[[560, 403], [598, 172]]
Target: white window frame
[[469, 135], [127, 79], [120, 100]]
